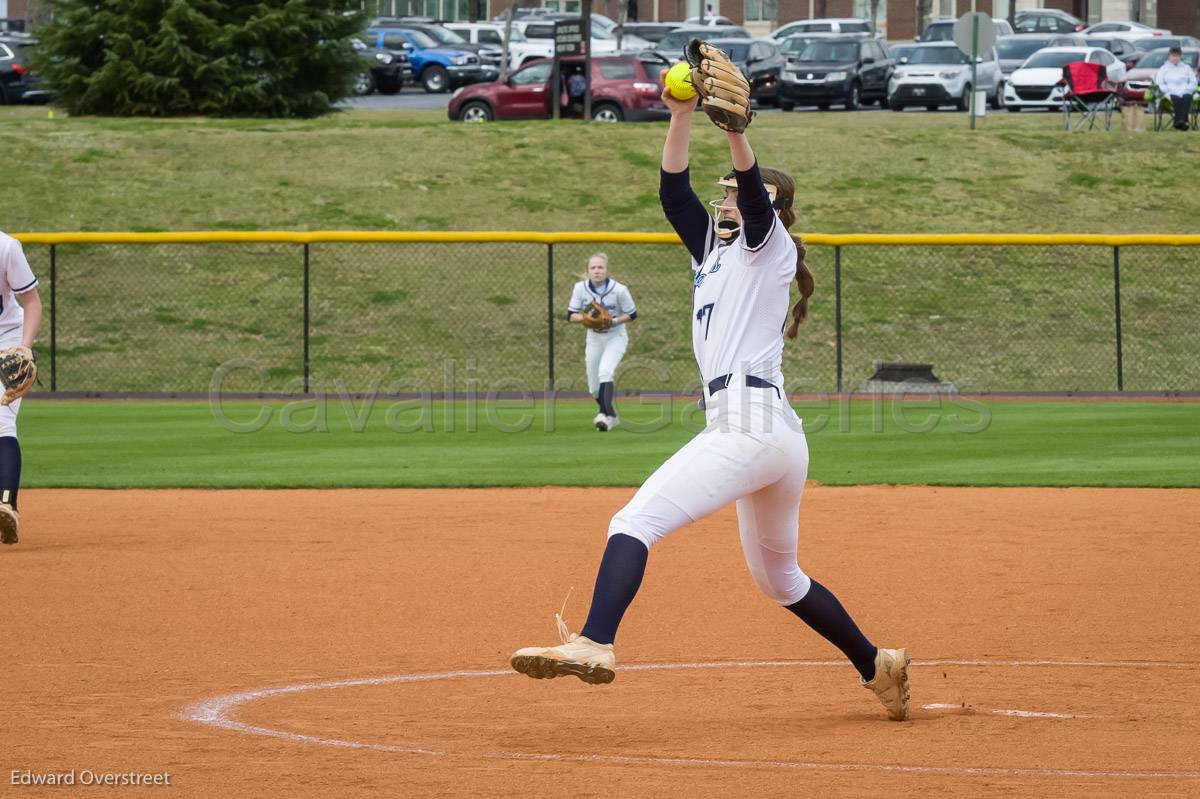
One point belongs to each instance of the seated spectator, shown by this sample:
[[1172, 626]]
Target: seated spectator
[[1177, 81]]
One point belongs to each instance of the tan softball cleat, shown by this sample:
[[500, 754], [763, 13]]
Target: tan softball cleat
[[891, 681], [577, 656], [10, 522]]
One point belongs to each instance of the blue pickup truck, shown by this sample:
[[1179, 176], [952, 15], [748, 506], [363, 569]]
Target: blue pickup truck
[[437, 68]]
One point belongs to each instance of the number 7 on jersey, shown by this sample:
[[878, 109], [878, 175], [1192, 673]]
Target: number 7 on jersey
[[705, 311]]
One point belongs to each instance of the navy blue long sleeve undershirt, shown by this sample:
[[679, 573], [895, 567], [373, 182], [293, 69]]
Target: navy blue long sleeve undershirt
[[686, 213], [754, 204]]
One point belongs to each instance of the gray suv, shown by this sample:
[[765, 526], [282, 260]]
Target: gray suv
[[938, 73]]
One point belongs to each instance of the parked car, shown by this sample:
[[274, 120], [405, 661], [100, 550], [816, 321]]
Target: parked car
[[1015, 50], [628, 39], [652, 32], [938, 73], [489, 54], [940, 31], [520, 49], [709, 19], [19, 84], [837, 26], [791, 47], [436, 68], [383, 71], [761, 63], [943, 30], [1139, 79], [1125, 29], [603, 30], [900, 51], [675, 42], [845, 71], [1038, 82], [542, 28], [623, 88], [1047, 20], [1123, 49], [1150, 43]]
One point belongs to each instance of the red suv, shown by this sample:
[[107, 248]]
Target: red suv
[[623, 88]]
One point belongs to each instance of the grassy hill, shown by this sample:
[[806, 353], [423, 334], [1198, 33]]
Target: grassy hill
[[415, 171], [164, 318]]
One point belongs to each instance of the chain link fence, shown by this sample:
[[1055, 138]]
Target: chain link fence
[[489, 315]]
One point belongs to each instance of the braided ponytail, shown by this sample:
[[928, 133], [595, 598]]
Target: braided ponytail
[[785, 187], [804, 282]]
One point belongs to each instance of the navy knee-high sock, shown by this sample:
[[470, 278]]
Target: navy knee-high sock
[[617, 583], [607, 390], [821, 610], [10, 470]]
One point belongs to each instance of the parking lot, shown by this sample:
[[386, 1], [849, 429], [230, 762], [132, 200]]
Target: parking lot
[[415, 98]]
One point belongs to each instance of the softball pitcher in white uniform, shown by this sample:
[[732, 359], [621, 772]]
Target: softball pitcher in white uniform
[[19, 323], [603, 349], [752, 451]]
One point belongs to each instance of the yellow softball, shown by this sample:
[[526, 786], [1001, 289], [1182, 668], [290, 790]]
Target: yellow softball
[[679, 82]]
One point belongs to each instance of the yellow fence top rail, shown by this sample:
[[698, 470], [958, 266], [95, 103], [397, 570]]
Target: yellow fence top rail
[[535, 237]]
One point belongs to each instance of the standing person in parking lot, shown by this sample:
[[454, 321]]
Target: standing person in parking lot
[[1177, 81]]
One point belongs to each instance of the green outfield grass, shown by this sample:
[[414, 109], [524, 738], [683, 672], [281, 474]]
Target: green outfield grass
[[413, 170], [184, 444]]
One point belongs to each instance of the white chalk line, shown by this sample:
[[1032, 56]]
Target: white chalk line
[[1023, 714], [215, 713]]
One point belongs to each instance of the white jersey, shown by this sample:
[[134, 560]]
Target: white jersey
[[612, 295], [15, 278], [740, 306]]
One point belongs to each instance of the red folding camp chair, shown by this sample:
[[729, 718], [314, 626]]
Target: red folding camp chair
[[1089, 93]]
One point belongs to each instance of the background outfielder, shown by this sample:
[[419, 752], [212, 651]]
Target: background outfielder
[[19, 323], [604, 307], [753, 450]]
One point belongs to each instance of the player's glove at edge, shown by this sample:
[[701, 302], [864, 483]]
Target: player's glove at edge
[[17, 373], [723, 90], [596, 317]]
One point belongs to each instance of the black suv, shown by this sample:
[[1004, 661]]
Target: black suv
[[17, 83], [844, 70], [384, 71]]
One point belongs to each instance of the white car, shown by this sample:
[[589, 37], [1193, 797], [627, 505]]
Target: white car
[[1125, 29], [710, 19], [826, 26], [1037, 82], [541, 29], [520, 49]]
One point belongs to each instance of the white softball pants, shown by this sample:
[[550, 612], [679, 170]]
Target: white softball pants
[[752, 451], [603, 353]]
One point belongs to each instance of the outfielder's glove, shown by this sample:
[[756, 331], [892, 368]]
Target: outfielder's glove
[[17, 373], [596, 317], [724, 92]]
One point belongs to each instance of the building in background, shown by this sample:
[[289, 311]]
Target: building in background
[[898, 19]]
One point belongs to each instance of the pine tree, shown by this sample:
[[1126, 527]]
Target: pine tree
[[276, 58]]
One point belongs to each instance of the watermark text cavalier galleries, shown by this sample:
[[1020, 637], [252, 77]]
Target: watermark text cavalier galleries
[[508, 405], [88, 777]]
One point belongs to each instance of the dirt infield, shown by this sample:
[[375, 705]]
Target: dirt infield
[[354, 643]]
